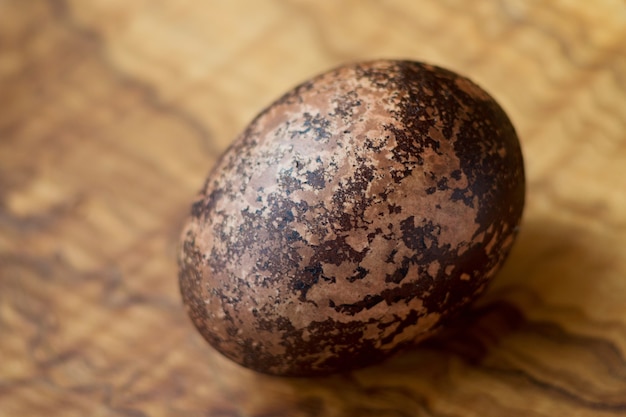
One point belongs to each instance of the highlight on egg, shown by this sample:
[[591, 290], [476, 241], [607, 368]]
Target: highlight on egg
[[351, 217]]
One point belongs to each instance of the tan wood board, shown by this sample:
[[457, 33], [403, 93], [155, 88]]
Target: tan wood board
[[112, 112]]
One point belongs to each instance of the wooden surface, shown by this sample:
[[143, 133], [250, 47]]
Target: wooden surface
[[113, 111]]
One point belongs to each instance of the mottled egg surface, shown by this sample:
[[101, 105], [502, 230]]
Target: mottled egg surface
[[351, 217]]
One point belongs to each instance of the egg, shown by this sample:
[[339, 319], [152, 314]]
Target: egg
[[351, 218]]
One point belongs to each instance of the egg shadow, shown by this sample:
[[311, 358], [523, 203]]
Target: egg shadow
[[548, 255]]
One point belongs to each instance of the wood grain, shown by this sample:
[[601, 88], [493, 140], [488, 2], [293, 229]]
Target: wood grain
[[112, 112]]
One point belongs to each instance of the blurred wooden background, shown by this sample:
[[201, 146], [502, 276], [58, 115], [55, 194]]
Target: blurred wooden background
[[113, 111]]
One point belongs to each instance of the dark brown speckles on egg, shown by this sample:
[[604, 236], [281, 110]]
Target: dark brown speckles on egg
[[351, 217]]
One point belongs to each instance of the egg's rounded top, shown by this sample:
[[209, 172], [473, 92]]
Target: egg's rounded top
[[350, 217]]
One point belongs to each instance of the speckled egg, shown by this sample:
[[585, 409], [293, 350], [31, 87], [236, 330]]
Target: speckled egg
[[351, 217]]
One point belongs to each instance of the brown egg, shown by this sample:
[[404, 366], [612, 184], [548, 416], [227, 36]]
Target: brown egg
[[351, 217]]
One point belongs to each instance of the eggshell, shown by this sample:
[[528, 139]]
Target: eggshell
[[351, 217]]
